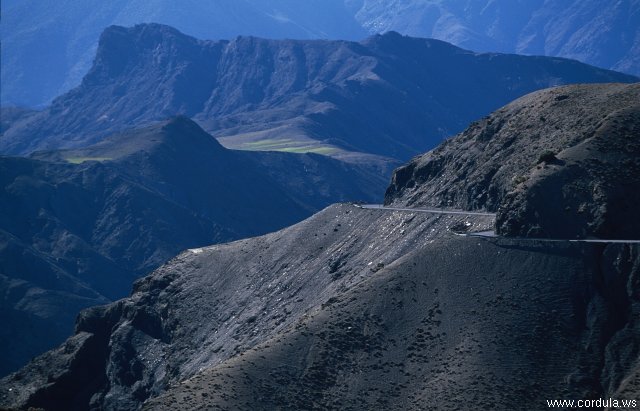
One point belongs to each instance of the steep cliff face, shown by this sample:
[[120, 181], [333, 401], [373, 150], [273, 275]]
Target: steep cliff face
[[48, 46], [388, 95], [355, 308], [560, 163], [590, 189]]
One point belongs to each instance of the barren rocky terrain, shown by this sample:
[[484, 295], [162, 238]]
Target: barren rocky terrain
[[356, 308], [108, 194]]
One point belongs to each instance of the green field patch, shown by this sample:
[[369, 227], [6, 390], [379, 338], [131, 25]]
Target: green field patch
[[310, 149], [80, 160], [286, 145], [269, 144]]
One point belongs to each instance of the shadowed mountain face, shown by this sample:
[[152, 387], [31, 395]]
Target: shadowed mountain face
[[78, 227], [388, 95], [366, 309]]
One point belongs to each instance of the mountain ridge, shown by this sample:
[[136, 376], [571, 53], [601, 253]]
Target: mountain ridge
[[319, 96]]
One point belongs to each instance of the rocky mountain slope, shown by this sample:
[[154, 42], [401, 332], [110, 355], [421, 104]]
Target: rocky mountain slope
[[389, 95], [572, 149], [356, 308], [78, 227], [48, 46]]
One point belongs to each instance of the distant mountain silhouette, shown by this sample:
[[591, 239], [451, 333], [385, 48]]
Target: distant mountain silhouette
[[389, 95], [48, 46]]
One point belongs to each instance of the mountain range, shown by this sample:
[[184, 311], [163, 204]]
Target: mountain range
[[110, 189], [174, 146], [48, 46], [77, 227], [361, 308], [389, 95]]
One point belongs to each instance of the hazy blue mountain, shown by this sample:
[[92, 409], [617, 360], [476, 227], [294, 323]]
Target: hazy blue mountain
[[389, 95], [599, 32], [48, 46], [78, 227]]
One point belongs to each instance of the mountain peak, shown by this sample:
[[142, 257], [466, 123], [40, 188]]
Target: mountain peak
[[121, 47], [144, 29], [178, 135], [181, 124], [394, 42]]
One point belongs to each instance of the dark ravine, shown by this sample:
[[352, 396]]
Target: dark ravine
[[358, 309], [77, 227], [387, 95]]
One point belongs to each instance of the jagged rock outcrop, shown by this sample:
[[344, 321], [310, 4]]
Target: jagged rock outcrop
[[388, 95], [560, 163]]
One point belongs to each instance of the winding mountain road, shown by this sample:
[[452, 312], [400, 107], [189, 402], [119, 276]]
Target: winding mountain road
[[492, 234], [423, 210]]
